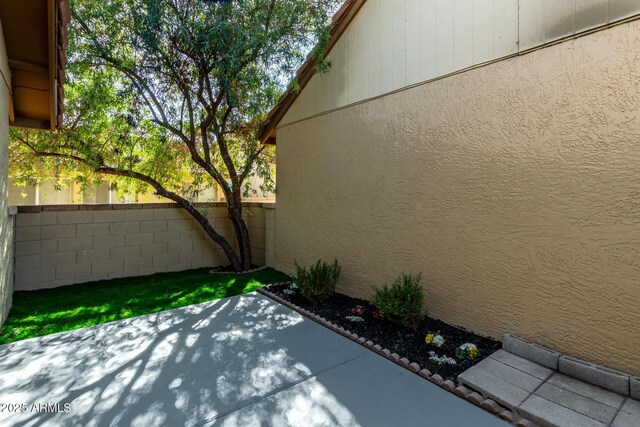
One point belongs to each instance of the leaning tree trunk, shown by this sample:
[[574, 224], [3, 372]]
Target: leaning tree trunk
[[241, 230], [234, 207], [238, 264]]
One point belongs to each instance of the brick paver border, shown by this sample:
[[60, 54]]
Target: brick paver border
[[463, 392]]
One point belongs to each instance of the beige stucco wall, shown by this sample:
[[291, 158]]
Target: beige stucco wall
[[6, 221], [513, 188], [63, 245]]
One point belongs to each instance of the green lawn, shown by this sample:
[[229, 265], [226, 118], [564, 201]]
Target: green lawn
[[43, 312]]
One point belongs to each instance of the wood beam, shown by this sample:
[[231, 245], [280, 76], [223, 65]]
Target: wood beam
[[28, 66]]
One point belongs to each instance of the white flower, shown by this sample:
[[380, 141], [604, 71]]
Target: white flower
[[293, 286], [354, 319], [467, 351], [437, 341], [441, 360], [449, 360], [288, 292]]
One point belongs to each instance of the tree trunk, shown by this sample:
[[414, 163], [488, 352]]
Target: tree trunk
[[242, 233], [234, 207], [237, 263]]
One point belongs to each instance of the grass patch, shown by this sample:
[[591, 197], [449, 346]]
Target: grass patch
[[48, 311]]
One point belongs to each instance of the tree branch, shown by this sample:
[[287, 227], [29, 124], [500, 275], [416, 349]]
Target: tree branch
[[157, 186]]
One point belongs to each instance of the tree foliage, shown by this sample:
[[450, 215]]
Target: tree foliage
[[163, 89]]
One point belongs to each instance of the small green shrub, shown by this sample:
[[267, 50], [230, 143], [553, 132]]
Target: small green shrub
[[402, 302], [318, 282]]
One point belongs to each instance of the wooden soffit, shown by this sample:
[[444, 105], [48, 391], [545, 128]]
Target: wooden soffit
[[35, 35]]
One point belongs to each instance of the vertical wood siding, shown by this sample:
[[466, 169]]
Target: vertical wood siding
[[392, 44]]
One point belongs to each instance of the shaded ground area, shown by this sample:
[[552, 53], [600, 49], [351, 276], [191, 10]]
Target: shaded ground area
[[241, 361], [48, 311], [406, 342]]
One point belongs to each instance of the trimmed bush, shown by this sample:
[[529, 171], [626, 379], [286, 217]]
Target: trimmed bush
[[318, 282], [401, 302]]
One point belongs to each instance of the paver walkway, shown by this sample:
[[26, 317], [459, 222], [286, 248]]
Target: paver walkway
[[547, 397], [242, 361]]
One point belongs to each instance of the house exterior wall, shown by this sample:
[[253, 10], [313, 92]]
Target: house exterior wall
[[22, 194], [6, 220], [63, 245], [71, 193], [513, 188], [392, 44]]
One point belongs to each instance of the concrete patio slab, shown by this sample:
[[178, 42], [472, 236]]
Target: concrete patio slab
[[500, 382], [493, 387], [580, 404], [631, 407], [629, 415], [370, 390], [587, 390], [224, 362], [511, 375], [521, 364], [547, 413], [624, 419], [546, 397]]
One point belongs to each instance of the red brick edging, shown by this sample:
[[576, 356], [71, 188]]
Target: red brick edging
[[460, 391]]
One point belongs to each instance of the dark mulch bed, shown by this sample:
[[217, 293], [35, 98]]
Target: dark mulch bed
[[407, 343]]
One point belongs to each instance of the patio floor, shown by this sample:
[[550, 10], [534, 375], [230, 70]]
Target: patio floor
[[241, 361]]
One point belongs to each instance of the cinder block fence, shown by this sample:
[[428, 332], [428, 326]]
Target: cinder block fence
[[67, 244]]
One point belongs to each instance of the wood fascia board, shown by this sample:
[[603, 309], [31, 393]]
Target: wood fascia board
[[28, 66], [340, 22], [30, 123], [5, 71], [52, 20], [12, 109]]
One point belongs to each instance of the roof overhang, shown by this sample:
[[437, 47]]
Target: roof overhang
[[339, 24], [35, 35]]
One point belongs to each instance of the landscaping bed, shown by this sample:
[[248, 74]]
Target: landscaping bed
[[405, 342]]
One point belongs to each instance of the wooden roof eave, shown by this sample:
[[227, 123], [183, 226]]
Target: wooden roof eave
[[36, 38], [339, 24]]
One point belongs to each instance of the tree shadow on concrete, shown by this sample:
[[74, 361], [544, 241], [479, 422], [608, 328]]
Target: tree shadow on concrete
[[181, 367]]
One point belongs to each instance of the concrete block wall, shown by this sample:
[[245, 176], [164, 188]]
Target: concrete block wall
[[63, 245], [255, 219], [6, 218], [6, 266], [270, 235]]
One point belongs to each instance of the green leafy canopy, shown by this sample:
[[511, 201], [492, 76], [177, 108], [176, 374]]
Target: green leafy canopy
[[160, 91], [144, 73]]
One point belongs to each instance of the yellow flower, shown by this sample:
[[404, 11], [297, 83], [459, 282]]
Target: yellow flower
[[428, 338]]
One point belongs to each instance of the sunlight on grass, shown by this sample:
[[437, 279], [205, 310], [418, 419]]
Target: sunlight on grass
[[48, 311], [252, 286]]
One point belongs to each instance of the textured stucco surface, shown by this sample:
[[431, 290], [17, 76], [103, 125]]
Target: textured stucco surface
[[6, 222], [514, 188]]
